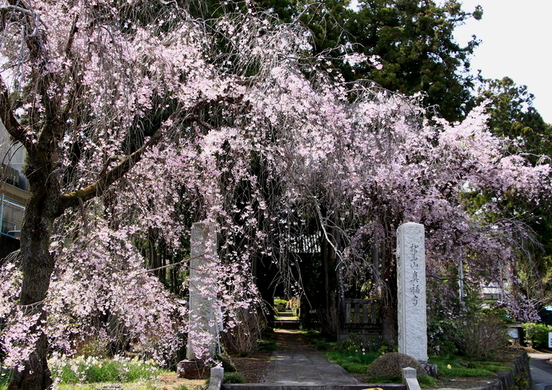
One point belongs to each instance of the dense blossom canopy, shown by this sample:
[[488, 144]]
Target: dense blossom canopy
[[137, 117]]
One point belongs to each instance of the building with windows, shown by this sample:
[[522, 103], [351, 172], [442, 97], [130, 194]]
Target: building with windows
[[13, 191]]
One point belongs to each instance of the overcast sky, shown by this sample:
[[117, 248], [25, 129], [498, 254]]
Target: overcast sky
[[516, 42]]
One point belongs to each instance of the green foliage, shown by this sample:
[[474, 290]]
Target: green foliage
[[458, 367], [427, 382], [480, 334], [537, 334], [227, 363], [355, 358], [415, 41], [233, 377], [352, 361], [4, 378], [319, 341], [93, 370], [442, 334], [280, 304], [484, 337], [351, 354], [267, 345], [512, 115]]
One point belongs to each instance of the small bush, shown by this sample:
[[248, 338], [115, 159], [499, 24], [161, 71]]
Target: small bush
[[227, 363], [243, 338], [482, 336], [233, 377], [442, 336], [391, 365], [280, 304], [537, 334]]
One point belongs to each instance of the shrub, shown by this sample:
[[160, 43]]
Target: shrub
[[243, 338], [442, 336], [391, 365], [280, 304], [233, 377], [482, 336], [537, 334]]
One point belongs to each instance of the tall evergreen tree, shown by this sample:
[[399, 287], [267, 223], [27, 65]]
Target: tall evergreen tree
[[414, 41]]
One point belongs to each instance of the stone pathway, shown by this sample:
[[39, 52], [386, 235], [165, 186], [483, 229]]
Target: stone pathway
[[296, 362]]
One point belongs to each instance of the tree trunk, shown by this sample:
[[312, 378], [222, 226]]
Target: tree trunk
[[37, 266], [389, 298]]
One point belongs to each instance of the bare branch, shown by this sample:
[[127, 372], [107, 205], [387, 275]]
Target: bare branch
[[13, 126]]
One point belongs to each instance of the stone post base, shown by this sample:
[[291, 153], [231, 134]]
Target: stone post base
[[193, 369]]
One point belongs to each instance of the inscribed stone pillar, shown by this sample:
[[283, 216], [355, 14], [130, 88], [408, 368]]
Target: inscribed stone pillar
[[411, 286], [202, 306]]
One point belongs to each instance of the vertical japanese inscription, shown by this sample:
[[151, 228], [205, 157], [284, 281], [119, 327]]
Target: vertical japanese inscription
[[411, 291], [414, 282]]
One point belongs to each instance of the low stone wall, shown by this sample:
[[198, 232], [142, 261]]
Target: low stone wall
[[519, 378]]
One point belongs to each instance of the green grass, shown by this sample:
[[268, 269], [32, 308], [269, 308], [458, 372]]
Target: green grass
[[267, 345], [458, 367], [353, 361], [356, 359]]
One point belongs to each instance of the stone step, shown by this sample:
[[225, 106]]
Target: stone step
[[285, 314], [286, 324]]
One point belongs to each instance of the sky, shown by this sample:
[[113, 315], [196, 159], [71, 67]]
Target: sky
[[516, 42]]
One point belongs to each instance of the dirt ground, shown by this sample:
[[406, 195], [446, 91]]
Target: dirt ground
[[252, 367], [170, 381]]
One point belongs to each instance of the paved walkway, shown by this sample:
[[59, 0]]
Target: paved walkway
[[296, 362], [541, 370]]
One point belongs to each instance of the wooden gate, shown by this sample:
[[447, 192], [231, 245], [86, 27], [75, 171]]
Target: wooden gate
[[361, 318]]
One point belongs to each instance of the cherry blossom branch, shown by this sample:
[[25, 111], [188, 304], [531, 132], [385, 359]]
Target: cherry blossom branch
[[174, 264], [108, 177]]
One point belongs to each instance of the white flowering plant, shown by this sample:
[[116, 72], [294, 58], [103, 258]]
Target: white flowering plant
[[82, 369]]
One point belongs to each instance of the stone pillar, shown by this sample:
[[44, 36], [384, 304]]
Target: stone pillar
[[203, 328], [411, 286]]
